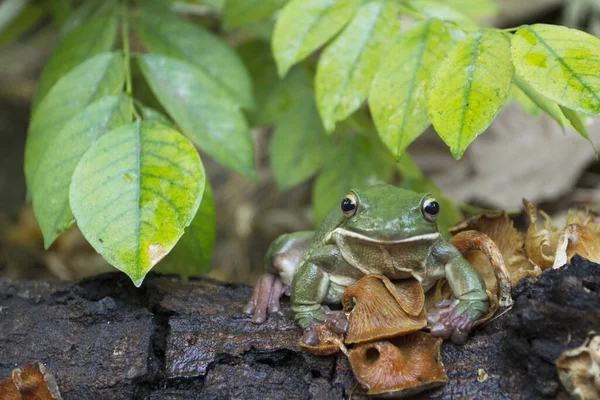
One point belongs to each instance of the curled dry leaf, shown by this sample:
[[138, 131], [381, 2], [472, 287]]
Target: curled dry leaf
[[499, 228], [579, 370], [376, 310], [467, 242], [329, 342], [540, 244], [580, 236], [33, 382], [402, 366]]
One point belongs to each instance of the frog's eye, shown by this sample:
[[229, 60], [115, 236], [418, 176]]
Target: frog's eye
[[431, 208], [349, 205]]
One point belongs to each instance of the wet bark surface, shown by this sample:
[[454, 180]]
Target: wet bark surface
[[104, 339]]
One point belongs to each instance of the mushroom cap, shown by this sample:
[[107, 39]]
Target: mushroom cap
[[475, 242], [510, 242], [401, 366], [378, 309], [581, 235]]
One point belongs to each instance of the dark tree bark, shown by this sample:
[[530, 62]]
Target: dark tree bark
[[105, 339]]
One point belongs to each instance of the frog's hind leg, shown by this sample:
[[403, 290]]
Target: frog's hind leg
[[265, 297], [282, 260]]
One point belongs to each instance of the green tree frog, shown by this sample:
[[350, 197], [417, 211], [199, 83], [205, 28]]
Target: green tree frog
[[377, 230]]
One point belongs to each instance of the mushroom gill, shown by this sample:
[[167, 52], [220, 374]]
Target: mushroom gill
[[377, 311], [401, 366], [540, 244]]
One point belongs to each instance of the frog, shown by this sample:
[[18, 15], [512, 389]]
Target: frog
[[380, 229]]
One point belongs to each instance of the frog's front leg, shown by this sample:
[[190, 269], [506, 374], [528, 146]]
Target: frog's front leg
[[309, 291], [455, 318]]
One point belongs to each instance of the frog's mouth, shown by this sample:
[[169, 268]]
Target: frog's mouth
[[350, 234]]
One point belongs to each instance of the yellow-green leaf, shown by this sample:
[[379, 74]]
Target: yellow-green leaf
[[475, 8], [578, 124], [398, 97], [347, 67], [305, 25], [441, 11], [50, 189], [470, 87], [134, 192], [102, 75], [191, 256], [548, 106], [241, 12], [560, 63]]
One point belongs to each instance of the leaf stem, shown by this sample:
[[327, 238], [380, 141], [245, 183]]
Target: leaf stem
[[126, 51], [514, 29]]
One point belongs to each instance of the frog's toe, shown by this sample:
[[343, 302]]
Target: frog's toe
[[276, 292], [258, 304], [337, 321], [311, 336]]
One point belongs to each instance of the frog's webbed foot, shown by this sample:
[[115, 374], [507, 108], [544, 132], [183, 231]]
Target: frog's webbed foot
[[453, 319], [265, 298], [336, 322]]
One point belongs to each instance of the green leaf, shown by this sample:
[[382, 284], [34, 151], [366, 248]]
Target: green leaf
[[398, 97], [470, 87], [91, 38], [356, 162], [578, 124], [203, 109], [102, 75], [273, 96], [26, 19], [561, 64], [526, 103], [134, 192], [305, 25], [191, 256], [296, 148], [549, 107], [60, 11], [87, 10], [347, 67], [50, 188], [150, 114], [241, 12], [174, 37]]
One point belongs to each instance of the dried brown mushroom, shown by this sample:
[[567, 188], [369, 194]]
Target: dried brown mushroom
[[402, 366], [377, 311], [540, 244], [581, 235], [579, 370], [510, 242], [329, 342], [33, 382], [468, 242]]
